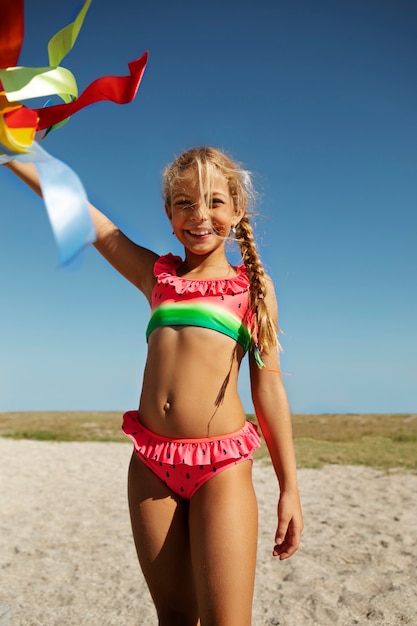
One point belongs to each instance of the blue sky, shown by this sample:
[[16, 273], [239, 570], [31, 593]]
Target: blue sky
[[319, 100]]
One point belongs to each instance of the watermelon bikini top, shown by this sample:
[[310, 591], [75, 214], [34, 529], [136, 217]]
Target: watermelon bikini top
[[219, 304]]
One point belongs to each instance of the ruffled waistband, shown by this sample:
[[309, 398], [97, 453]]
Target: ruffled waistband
[[203, 451]]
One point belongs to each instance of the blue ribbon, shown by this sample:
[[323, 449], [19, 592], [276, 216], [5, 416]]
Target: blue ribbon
[[65, 201]]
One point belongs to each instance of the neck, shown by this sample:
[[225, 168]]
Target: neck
[[212, 264]]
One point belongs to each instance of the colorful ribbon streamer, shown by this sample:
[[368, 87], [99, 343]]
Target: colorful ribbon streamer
[[65, 201], [64, 195]]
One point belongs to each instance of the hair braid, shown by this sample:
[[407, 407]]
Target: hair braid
[[267, 333]]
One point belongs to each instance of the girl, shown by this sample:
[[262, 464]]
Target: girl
[[191, 498]]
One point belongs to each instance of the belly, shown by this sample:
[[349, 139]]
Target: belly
[[190, 383]]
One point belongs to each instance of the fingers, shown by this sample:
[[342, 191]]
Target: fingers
[[287, 540], [290, 525], [286, 548]]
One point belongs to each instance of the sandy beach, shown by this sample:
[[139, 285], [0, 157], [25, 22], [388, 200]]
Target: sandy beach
[[67, 556]]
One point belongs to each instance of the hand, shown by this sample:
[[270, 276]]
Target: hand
[[290, 525]]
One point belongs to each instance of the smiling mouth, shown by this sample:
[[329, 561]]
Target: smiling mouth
[[199, 233]]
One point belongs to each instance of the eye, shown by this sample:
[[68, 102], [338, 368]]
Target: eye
[[183, 204], [216, 202]]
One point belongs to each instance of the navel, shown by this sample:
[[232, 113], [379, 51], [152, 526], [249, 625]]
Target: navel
[[167, 406]]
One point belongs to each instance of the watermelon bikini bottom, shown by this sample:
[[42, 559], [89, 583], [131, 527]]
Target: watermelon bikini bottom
[[184, 465]]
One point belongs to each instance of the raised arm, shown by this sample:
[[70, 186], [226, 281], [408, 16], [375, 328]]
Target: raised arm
[[134, 262], [274, 417]]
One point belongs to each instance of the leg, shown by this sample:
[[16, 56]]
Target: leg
[[223, 535], [160, 530]]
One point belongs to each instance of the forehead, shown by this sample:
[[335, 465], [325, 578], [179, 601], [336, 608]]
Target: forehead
[[212, 181]]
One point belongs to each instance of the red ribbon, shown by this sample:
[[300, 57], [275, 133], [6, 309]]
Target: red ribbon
[[119, 89], [11, 32], [21, 117]]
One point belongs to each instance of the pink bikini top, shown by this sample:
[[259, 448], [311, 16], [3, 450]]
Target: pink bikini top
[[219, 304]]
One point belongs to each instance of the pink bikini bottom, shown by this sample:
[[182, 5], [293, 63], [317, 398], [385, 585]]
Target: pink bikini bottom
[[186, 464]]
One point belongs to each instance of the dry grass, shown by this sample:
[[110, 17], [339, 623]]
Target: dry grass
[[62, 426], [382, 441]]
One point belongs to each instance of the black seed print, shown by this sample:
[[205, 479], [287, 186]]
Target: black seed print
[[214, 469], [196, 485], [221, 297], [239, 305], [169, 455], [239, 443], [224, 451], [181, 488], [167, 474], [155, 457], [187, 476], [201, 467], [183, 461], [173, 467], [203, 452], [160, 463]]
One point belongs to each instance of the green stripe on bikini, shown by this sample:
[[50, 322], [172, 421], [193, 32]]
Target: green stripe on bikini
[[215, 318]]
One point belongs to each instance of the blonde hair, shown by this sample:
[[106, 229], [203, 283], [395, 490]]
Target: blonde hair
[[242, 193]]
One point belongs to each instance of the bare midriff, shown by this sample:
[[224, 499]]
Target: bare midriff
[[190, 383]]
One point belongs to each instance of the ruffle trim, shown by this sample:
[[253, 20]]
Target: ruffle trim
[[190, 451], [165, 271]]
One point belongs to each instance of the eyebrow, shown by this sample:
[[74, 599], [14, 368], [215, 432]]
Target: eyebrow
[[188, 196]]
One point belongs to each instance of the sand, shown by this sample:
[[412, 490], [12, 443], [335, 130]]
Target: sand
[[67, 555]]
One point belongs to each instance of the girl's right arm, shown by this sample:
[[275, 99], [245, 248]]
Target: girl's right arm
[[131, 260], [274, 417]]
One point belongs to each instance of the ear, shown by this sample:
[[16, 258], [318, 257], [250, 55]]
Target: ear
[[238, 213], [168, 210]]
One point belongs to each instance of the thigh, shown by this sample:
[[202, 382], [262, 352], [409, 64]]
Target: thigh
[[223, 534], [161, 533]]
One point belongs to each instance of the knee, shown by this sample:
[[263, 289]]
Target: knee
[[176, 617]]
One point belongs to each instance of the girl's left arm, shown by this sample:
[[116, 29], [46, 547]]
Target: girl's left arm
[[274, 417]]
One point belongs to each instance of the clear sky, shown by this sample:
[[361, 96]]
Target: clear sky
[[319, 100]]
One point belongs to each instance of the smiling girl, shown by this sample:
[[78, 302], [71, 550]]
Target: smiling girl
[[191, 497]]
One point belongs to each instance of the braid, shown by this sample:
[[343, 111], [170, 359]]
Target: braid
[[267, 333]]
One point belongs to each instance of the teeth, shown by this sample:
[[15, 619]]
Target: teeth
[[200, 232]]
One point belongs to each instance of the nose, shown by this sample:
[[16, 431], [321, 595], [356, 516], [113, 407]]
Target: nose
[[200, 211]]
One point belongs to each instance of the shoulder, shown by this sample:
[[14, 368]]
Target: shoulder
[[167, 264]]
